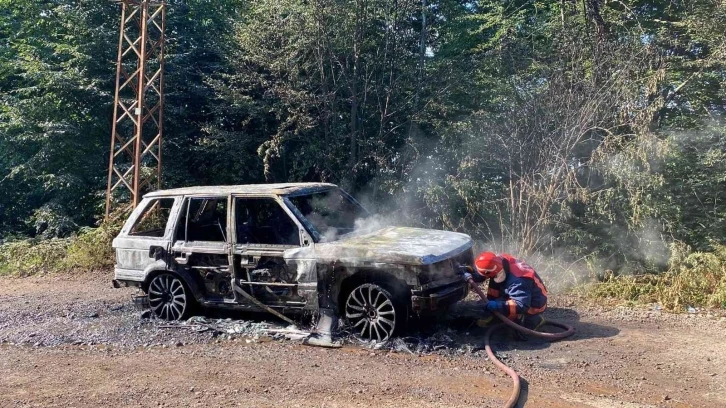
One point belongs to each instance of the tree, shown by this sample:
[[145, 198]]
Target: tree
[[55, 98]]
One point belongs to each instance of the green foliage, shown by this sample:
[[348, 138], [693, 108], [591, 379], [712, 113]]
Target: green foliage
[[29, 257], [55, 91], [578, 133], [694, 177], [89, 249], [695, 279]]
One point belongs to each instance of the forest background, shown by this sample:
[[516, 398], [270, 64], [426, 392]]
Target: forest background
[[585, 136]]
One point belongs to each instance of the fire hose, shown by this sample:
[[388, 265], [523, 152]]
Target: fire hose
[[516, 385]]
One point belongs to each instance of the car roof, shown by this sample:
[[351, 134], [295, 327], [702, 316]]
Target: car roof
[[261, 189]]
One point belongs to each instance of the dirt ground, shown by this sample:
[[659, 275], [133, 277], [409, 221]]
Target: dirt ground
[[77, 342]]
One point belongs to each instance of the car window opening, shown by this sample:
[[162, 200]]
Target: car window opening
[[203, 219], [152, 222], [263, 221], [330, 212]]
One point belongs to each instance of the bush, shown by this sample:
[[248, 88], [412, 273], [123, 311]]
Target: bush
[[29, 257], [696, 279], [89, 249]]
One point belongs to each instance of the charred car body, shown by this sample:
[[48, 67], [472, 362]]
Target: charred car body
[[288, 247]]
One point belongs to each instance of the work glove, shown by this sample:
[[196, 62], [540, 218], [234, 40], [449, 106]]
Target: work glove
[[493, 306], [467, 276]]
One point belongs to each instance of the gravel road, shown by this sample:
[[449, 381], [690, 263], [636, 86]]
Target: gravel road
[[75, 341]]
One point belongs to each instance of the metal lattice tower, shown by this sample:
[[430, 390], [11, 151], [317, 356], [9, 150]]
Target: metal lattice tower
[[136, 135]]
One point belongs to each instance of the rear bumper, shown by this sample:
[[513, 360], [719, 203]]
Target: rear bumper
[[119, 283], [439, 295]]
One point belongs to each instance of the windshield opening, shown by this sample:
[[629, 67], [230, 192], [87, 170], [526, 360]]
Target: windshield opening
[[331, 213]]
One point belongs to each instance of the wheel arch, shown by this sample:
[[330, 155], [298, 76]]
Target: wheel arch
[[389, 281], [186, 278]]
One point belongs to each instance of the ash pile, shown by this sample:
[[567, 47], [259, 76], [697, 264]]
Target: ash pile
[[253, 330], [442, 341], [449, 335]]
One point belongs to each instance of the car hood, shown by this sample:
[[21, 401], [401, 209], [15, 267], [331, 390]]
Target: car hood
[[396, 245]]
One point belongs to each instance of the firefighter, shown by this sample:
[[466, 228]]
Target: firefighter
[[515, 290]]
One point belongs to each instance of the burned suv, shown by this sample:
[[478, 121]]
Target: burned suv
[[286, 248]]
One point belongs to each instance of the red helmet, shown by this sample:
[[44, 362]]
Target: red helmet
[[488, 264]]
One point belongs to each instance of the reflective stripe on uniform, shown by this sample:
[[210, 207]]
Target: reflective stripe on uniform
[[540, 285], [512, 309]]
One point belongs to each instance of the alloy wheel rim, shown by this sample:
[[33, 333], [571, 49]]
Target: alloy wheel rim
[[167, 297], [371, 313]]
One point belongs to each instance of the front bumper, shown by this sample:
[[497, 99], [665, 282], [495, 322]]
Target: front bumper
[[439, 294]]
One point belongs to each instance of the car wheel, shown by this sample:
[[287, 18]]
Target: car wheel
[[372, 312], [168, 297]]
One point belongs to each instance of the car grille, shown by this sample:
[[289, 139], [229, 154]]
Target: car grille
[[446, 268], [465, 258]]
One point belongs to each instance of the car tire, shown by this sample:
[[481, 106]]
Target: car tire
[[372, 312], [169, 297]]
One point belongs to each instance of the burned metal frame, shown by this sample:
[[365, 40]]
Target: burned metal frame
[[137, 129], [415, 267]]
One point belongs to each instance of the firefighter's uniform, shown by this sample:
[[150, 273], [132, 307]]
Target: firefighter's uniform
[[521, 296]]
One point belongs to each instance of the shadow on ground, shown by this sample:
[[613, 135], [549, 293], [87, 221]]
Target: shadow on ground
[[463, 332]]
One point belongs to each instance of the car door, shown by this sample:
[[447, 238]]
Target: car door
[[263, 230], [146, 233], [202, 244]]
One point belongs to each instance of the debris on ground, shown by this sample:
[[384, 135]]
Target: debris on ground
[[245, 328], [439, 340], [73, 348]]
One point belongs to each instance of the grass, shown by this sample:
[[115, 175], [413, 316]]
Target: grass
[[89, 249], [693, 279]]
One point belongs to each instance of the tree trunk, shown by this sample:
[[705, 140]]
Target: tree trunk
[[357, 34]]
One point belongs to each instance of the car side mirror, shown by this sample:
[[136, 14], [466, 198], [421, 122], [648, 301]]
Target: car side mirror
[[304, 239]]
